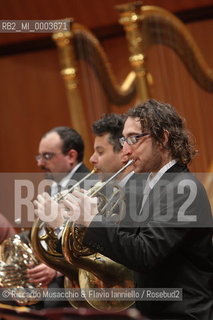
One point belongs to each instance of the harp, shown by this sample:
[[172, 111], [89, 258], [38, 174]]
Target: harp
[[146, 27]]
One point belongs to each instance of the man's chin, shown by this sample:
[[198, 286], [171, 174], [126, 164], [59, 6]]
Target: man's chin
[[106, 175], [103, 175], [136, 167]]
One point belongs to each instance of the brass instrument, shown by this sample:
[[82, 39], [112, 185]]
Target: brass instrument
[[52, 256], [61, 195], [15, 258], [72, 270], [96, 270]]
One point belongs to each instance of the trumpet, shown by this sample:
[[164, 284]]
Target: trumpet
[[70, 262]]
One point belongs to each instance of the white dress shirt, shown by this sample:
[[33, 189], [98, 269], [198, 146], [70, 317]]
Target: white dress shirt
[[153, 178], [64, 182]]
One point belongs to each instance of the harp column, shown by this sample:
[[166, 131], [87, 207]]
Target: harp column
[[68, 64], [130, 14]]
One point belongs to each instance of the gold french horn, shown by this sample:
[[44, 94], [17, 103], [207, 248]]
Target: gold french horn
[[83, 268], [51, 255], [15, 257], [95, 270]]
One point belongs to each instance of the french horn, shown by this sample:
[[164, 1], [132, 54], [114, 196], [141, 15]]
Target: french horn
[[84, 268], [52, 255], [95, 270], [15, 257]]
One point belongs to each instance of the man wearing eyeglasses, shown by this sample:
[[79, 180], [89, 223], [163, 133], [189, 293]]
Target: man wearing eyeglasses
[[170, 245], [108, 156], [61, 152]]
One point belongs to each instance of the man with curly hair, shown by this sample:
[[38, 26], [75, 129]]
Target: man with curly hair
[[169, 246]]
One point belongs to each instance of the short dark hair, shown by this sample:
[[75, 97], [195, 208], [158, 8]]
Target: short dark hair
[[113, 124], [71, 139], [155, 117]]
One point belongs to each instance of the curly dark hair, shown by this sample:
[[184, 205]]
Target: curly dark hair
[[71, 139], [156, 117], [113, 124]]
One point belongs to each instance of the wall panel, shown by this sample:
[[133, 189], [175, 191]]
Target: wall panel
[[32, 101], [33, 97]]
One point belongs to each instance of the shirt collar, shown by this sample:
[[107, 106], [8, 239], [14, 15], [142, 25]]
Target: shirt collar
[[153, 178], [63, 183], [124, 181], [67, 178]]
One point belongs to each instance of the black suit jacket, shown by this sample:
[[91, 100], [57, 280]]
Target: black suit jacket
[[81, 169], [163, 251]]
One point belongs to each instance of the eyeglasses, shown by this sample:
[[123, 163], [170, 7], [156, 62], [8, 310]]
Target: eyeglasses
[[45, 156], [132, 139]]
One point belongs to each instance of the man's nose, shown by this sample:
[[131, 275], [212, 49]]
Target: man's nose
[[127, 150], [93, 159], [40, 162]]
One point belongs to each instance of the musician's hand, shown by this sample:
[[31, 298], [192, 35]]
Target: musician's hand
[[41, 274], [49, 210], [82, 208]]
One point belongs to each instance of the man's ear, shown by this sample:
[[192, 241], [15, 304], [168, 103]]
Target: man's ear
[[165, 139], [73, 155]]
